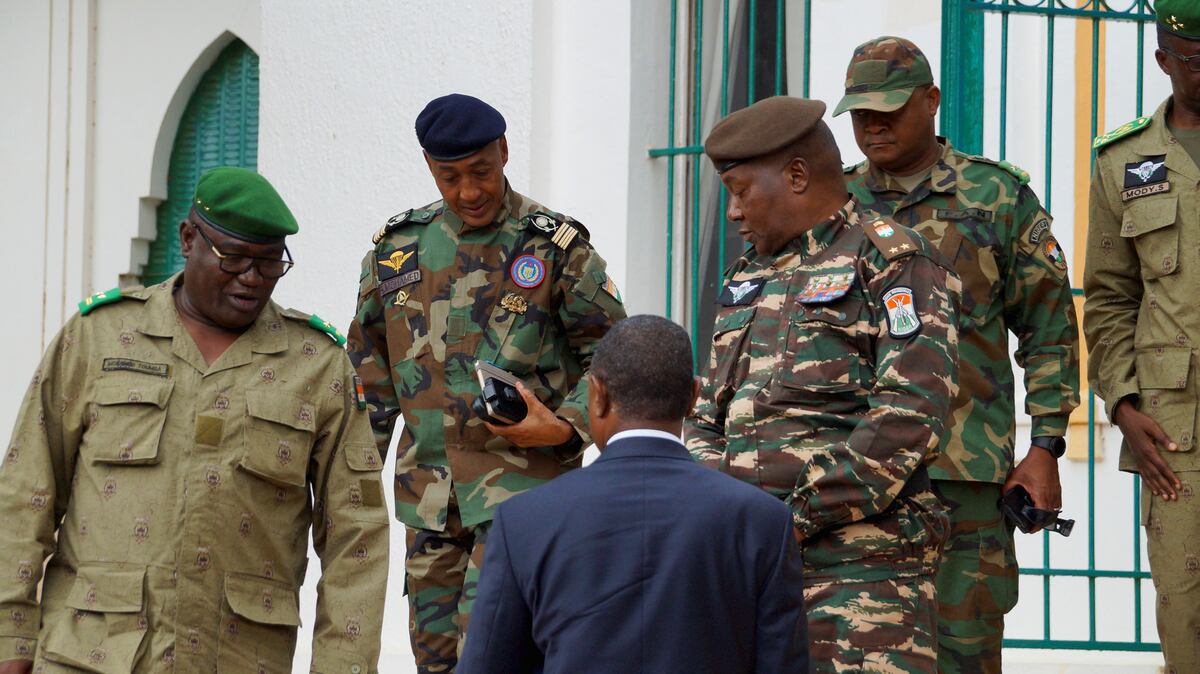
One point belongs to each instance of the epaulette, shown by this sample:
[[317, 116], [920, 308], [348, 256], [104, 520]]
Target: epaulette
[[93, 301], [420, 216], [318, 323], [891, 239], [1017, 172], [1121, 131], [562, 231]]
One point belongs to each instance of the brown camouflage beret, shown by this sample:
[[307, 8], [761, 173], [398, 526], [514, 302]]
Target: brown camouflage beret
[[769, 125]]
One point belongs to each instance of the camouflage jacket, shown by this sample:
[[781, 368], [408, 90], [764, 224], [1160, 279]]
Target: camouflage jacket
[[832, 370], [990, 225], [529, 294], [176, 498], [1141, 279]]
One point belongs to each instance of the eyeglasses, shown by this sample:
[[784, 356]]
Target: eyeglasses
[[1192, 62], [268, 267]]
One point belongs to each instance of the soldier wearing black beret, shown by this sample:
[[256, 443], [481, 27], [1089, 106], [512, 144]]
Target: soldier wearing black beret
[[482, 274], [832, 371]]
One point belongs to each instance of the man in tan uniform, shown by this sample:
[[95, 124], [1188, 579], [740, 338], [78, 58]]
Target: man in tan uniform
[[175, 448], [1140, 319]]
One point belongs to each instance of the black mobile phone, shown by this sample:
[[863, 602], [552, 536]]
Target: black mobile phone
[[499, 402]]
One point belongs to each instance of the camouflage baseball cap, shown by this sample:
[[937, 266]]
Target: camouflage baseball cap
[[1179, 17], [883, 74]]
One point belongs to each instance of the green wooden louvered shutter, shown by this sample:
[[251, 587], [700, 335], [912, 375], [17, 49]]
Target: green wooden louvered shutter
[[219, 128]]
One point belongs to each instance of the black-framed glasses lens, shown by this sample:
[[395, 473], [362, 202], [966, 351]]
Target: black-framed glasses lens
[[240, 264]]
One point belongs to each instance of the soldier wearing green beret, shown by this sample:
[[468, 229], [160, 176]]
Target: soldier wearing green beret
[[831, 374], [983, 217], [176, 447], [1140, 319], [486, 274]]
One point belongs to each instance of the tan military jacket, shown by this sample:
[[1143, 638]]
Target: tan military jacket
[[1141, 281], [175, 499]]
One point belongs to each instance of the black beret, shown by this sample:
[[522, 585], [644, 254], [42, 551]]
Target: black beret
[[769, 125], [455, 126]]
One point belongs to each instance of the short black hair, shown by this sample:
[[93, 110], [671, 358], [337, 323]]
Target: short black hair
[[645, 363]]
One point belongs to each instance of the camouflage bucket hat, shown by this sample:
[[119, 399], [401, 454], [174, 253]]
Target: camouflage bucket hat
[[883, 74]]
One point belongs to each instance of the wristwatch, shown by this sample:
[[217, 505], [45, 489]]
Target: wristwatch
[[1051, 443]]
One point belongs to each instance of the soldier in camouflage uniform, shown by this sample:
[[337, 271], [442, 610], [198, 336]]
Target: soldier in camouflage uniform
[[832, 369], [176, 447], [984, 218], [1140, 319], [484, 274]]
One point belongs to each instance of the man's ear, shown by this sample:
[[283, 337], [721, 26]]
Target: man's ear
[[933, 98], [187, 238], [598, 401], [504, 150], [695, 395], [797, 175]]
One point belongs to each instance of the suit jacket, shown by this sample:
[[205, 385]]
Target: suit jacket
[[643, 562]]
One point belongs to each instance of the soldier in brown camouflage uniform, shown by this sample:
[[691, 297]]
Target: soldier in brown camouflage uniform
[[483, 274], [832, 370], [984, 218], [177, 445]]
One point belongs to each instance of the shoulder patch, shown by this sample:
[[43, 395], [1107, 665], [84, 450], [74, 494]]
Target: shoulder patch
[[93, 301], [316, 322], [420, 216], [891, 239], [559, 229], [327, 328], [1126, 129], [1019, 173]]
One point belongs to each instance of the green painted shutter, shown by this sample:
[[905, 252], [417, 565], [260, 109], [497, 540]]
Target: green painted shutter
[[219, 128]]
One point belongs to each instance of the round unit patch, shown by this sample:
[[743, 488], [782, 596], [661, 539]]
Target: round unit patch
[[527, 271]]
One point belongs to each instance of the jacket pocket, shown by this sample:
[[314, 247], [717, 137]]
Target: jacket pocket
[[730, 347], [258, 625], [1164, 375], [824, 354], [127, 422], [278, 437], [104, 630], [1151, 225]]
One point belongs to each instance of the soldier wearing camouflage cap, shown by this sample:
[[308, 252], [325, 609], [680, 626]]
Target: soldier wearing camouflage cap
[[1140, 319], [832, 371], [177, 445], [482, 274], [982, 216]]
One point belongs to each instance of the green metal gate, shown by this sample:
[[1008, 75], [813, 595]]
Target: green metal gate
[[751, 39], [219, 127]]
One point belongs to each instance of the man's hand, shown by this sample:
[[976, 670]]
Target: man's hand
[[539, 428], [1038, 473], [1144, 435], [16, 667]]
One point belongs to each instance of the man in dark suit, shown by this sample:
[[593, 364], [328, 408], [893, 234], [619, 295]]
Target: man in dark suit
[[645, 561]]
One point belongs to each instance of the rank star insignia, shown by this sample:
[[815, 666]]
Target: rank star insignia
[[514, 303], [905, 246], [1145, 170]]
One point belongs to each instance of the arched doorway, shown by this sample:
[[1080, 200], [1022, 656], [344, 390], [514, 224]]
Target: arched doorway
[[219, 127]]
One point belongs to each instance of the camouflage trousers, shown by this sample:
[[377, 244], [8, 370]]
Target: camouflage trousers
[[441, 575], [977, 580], [882, 627], [1173, 541]]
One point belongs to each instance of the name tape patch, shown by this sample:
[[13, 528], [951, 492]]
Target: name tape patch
[[130, 365]]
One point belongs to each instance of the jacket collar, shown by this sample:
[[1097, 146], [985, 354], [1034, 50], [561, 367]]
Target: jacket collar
[[644, 447]]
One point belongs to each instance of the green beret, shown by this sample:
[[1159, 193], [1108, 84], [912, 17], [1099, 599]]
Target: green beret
[[1179, 17], [769, 125], [242, 204]]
